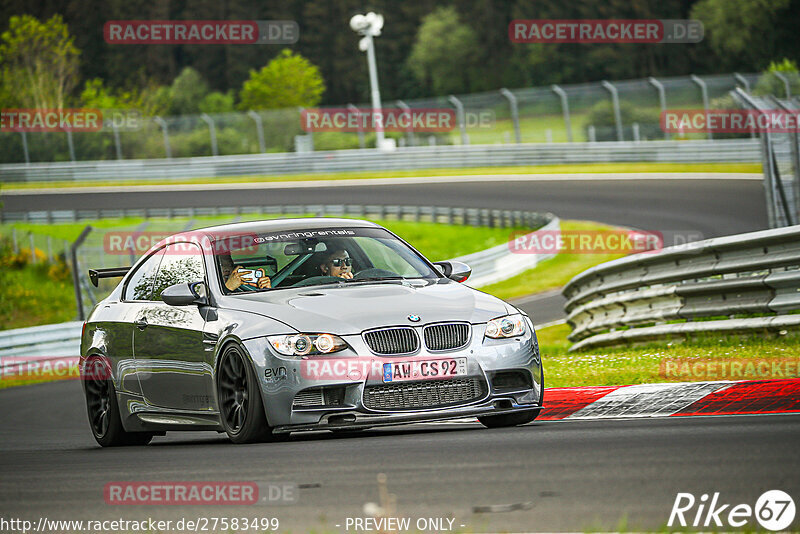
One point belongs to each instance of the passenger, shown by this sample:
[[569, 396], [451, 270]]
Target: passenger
[[233, 276], [337, 263]]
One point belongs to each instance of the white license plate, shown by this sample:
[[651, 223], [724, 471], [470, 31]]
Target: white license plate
[[424, 369]]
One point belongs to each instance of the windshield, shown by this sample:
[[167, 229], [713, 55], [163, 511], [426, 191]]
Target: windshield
[[270, 261]]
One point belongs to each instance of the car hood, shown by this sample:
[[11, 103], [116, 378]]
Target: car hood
[[352, 309]]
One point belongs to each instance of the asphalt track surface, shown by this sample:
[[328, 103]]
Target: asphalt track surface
[[701, 208], [576, 475]]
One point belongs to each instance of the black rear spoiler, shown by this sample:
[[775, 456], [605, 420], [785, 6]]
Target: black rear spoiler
[[116, 272]]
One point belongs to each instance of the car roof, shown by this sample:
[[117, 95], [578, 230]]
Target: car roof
[[282, 225]]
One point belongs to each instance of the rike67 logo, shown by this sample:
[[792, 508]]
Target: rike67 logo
[[774, 510]]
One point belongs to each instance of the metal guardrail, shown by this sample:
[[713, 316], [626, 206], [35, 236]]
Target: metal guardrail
[[697, 151], [441, 214], [56, 340], [745, 282]]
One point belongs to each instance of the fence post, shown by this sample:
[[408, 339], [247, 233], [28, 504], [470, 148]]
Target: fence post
[[76, 281], [410, 130], [212, 130], [794, 142], [359, 129], [636, 132], [14, 240], [161, 122], [615, 103], [512, 102], [262, 146], [32, 246], [704, 93], [461, 121], [786, 85], [592, 136], [117, 144], [741, 79], [662, 98], [564, 108], [25, 147], [70, 144]]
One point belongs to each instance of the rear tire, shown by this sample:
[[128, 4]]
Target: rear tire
[[241, 408], [103, 409], [515, 418]]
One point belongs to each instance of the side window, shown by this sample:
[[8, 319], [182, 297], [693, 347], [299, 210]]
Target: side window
[[140, 285], [182, 263]]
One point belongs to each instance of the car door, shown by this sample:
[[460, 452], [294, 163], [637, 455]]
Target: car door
[[173, 367], [136, 295]]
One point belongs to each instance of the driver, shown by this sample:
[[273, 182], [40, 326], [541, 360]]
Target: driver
[[337, 263], [233, 276]]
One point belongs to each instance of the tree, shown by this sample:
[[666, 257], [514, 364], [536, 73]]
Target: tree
[[38, 61], [749, 33], [187, 91], [288, 80], [443, 55]]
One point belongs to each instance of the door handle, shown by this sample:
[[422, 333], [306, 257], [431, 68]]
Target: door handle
[[141, 324]]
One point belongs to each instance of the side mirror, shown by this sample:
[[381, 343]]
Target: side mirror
[[454, 270], [185, 294]]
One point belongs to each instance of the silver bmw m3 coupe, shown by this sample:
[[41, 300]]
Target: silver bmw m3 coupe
[[264, 328]]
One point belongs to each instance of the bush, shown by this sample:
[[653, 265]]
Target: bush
[[601, 116], [770, 84]]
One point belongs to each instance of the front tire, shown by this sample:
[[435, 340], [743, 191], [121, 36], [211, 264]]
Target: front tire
[[103, 409], [240, 407]]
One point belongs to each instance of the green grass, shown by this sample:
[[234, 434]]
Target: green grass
[[555, 272], [29, 297], [647, 364], [470, 171]]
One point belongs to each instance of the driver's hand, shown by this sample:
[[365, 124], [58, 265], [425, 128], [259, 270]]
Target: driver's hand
[[264, 283], [347, 275], [235, 279]]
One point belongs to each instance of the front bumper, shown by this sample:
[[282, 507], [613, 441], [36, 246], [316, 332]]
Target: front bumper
[[352, 419], [282, 378]]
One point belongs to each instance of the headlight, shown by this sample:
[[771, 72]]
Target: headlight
[[508, 326], [306, 344]]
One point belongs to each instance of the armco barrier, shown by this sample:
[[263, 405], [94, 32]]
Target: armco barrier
[[745, 282], [703, 151], [54, 340]]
